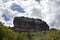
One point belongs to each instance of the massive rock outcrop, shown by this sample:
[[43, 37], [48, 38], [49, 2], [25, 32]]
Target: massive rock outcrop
[[29, 24]]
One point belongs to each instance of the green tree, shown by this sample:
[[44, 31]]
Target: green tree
[[53, 35], [22, 36], [7, 34]]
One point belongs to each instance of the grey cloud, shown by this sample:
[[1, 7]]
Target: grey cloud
[[56, 21], [36, 12], [4, 1], [54, 12], [55, 2]]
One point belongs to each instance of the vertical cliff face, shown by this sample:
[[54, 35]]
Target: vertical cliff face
[[29, 24]]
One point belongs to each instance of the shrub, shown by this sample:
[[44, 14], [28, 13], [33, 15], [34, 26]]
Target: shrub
[[7, 34]]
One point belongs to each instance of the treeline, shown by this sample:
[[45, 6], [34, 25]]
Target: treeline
[[8, 34]]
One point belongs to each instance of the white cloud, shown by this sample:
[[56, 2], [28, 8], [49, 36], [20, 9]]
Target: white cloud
[[51, 12], [48, 10]]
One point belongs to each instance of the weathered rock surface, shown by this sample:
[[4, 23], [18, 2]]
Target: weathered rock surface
[[29, 24]]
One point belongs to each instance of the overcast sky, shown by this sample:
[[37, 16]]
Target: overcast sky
[[47, 10]]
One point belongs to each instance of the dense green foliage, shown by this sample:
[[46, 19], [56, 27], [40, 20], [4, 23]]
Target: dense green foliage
[[45, 35], [49, 35], [22, 36], [8, 34]]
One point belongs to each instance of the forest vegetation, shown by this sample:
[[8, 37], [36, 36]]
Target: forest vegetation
[[7, 34]]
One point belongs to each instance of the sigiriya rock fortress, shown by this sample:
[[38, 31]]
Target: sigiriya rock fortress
[[29, 24]]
